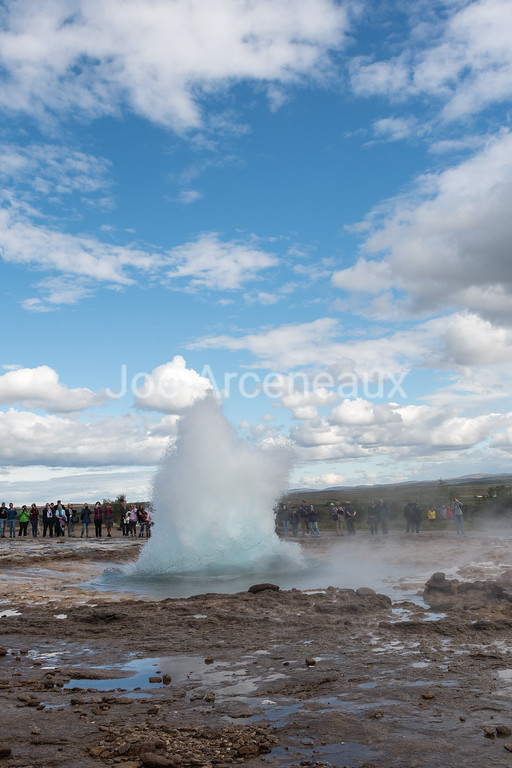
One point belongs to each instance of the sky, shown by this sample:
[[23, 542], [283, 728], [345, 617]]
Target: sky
[[299, 207]]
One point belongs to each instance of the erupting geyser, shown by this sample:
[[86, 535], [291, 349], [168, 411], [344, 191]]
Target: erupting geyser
[[213, 500]]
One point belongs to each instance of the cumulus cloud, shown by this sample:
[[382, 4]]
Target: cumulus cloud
[[28, 438], [447, 244], [316, 344], [40, 388], [171, 387], [161, 58], [358, 429], [466, 62], [211, 263]]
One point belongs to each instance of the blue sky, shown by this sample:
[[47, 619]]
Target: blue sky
[[303, 205]]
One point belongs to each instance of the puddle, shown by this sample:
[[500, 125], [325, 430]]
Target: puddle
[[342, 753], [134, 674]]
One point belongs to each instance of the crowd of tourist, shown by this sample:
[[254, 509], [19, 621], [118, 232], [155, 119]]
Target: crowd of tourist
[[58, 519], [304, 517]]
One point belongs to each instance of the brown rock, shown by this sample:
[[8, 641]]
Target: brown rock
[[428, 695], [152, 760], [155, 679], [503, 730], [166, 679], [508, 747], [489, 732], [263, 588], [209, 660], [310, 662], [3, 652]]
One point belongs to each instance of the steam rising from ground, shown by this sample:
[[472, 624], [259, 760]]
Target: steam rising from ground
[[213, 500]]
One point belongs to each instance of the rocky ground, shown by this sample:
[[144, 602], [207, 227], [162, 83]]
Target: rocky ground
[[279, 678]]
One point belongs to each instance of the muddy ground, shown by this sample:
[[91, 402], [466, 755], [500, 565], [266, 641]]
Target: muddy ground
[[277, 678]]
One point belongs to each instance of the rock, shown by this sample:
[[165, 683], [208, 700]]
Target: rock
[[262, 588], [5, 752], [209, 697], [489, 732], [428, 695], [166, 679], [152, 760], [3, 652], [155, 679], [310, 662], [508, 747], [503, 730], [365, 592], [209, 660]]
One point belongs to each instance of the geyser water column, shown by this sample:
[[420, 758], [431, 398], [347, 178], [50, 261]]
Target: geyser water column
[[213, 500]]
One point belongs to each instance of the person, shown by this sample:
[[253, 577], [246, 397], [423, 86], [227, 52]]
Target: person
[[442, 513], [411, 514], [373, 517], [458, 516], [132, 518], [98, 519], [449, 513], [149, 523], [48, 520], [34, 520], [60, 520], [294, 521], [313, 521], [70, 518], [283, 518], [24, 517], [304, 517], [141, 519], [11, 519], [85, 516], [350, 513], [122, 515], [109, 520], [338, 517], [127, 523], [382, 515], [431, 514], [3, 519]]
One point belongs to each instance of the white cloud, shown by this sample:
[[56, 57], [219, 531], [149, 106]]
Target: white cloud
[[85, 261], [157, 58], [447, 244], [52, 170], [466, 62], [23, 242], [394, 128], [27, 438], [210, 263], [40, 388], [358, 429], [171, 387], [325, 480], [365, 276]]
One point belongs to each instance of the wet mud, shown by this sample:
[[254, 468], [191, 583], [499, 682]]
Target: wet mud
[[335, 676]]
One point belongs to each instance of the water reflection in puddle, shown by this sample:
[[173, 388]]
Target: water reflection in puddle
[[232, 678]]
